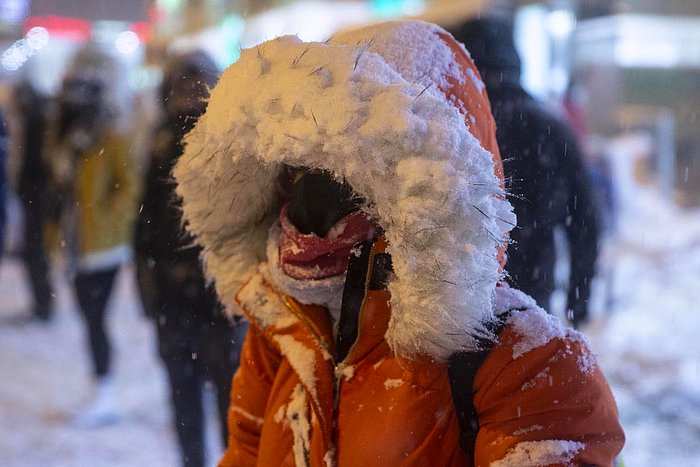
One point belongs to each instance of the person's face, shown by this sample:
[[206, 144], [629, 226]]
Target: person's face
[[81, 104]]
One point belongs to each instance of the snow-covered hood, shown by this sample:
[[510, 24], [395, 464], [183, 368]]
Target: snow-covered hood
[[367, 106]]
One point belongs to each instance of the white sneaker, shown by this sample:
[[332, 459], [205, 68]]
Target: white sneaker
[[102, 410]]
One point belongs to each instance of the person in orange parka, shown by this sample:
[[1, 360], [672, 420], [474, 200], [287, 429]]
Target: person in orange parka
[[348, 197]]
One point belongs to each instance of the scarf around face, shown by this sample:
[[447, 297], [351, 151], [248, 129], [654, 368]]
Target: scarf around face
[[308, 256]]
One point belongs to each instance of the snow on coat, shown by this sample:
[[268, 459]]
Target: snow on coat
[[382, 118], [540, 396], [398, 111]]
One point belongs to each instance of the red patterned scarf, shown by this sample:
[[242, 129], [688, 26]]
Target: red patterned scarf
[[308, 256]]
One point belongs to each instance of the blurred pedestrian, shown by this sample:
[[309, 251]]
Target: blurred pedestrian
[[596, 157], [545, 174], [94, 193], [31, 190], [196, 341]]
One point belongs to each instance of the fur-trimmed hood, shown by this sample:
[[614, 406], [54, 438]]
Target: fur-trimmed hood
[[380, 108]]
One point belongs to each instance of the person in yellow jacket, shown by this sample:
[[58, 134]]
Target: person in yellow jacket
[[96, 189]]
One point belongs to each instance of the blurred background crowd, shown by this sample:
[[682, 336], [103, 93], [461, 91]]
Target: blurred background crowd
[[95, 96]]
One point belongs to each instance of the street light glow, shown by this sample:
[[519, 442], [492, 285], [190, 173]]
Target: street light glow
[[127, 42], [14, 57]]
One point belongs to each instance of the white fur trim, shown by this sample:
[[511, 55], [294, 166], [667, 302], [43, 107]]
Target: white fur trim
[[359, 111]]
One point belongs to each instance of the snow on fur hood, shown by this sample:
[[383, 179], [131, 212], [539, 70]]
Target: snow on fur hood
[[368, 107]]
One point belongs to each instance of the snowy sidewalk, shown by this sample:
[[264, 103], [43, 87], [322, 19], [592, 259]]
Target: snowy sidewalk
[[44, 376], [649, 344]]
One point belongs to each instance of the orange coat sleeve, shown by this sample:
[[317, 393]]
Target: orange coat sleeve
[[249, 394], [549, 406]]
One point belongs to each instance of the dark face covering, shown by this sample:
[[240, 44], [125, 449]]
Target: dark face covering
[[318, 202], [81, 105]]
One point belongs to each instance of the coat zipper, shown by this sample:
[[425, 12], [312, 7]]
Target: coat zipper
[[338, 367], [338, 375]]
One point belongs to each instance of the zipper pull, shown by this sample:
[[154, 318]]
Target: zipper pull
[[337, 378]]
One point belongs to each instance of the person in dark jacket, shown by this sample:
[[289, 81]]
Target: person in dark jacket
[[544, 173], [196, 341], [31, 190]]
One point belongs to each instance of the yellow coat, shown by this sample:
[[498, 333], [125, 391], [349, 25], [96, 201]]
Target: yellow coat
[[106, 194]]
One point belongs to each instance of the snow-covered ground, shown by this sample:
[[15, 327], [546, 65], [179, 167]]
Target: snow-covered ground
[[44, 378], [646, 331]]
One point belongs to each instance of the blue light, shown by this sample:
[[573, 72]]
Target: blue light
[[14, 11]]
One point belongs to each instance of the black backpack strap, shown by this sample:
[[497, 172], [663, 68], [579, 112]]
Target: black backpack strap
[[462, 369]]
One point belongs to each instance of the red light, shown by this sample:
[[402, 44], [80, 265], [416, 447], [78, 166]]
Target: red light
[[69, 28], [144, 30]]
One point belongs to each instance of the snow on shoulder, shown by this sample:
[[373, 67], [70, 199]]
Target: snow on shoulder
[[532, 324], [539, 453], [367, 107], [535, 327]]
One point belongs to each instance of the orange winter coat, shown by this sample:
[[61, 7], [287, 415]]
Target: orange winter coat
[[300, 399], [293, 404]]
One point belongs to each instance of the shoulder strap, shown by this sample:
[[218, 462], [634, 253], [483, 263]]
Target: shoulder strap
[[462, 369]]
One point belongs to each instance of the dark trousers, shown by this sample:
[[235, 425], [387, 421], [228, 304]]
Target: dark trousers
[[194, 351], [93, 290], [34, 257]]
